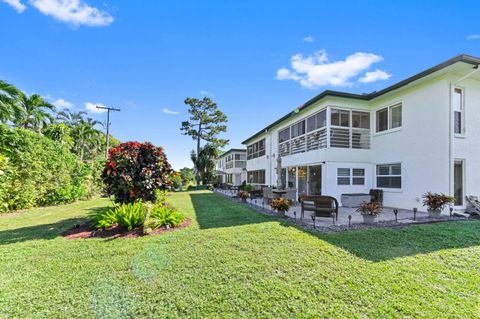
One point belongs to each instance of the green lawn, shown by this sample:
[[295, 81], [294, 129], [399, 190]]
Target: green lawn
[[234, 262]]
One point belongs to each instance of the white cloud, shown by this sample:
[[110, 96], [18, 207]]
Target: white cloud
[[62, 104], [74, 12], [16, 4], [92, 107], [317, 70], [167, 111], [206, 93], [374, 76], [473, 37], [308, 39]]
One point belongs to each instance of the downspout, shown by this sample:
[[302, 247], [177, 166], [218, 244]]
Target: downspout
[[452, 129], [269, 158]]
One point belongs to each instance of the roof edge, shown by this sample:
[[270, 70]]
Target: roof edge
[[367, 97]]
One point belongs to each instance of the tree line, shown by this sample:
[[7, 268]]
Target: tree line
[[80, 133]]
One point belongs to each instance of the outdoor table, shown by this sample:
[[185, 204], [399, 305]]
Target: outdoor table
[[279, 192]]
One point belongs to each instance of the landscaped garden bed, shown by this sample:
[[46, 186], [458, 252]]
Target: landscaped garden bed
[[86, 230]]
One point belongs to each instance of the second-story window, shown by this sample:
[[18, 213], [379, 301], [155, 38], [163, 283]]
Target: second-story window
[[256, 149], [317, 121], [298, 129], [284, 135], [340, 118], [458, 110], [389, 118]]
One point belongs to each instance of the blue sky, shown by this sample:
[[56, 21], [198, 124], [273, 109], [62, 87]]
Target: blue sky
[[257, 59]]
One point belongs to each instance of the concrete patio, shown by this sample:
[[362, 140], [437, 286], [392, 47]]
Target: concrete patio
[[387, 217]]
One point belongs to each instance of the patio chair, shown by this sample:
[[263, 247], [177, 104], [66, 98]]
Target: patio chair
[[321, 206], [267, 195], [291, 194], [473, 205]]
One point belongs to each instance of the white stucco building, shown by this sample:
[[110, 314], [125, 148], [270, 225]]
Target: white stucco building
[[231, 167], [421, 134]]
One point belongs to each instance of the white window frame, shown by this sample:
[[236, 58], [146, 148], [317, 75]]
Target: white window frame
[[351, 177], [390, 189], [462, 111], [389, 118]]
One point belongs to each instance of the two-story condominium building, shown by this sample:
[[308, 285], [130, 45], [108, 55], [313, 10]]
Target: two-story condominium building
[[231, 167], [421, 134]]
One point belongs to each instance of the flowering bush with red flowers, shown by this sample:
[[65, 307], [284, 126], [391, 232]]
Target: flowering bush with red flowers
[[134, 170]]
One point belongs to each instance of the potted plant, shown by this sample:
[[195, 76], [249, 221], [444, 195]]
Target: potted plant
[[281, 205], [436, 202], [248, 188], [243, 195], [370, 211]]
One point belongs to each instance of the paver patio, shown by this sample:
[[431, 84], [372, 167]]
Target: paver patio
[[404, 216]]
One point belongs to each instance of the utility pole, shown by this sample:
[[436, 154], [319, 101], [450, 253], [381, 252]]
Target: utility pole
[[108, 124]]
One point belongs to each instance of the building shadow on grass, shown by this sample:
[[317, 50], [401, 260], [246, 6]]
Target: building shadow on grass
[[378, 244], [383, 244], [38, 232], [215, 211]]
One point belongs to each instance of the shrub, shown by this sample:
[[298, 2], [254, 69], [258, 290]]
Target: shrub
[[38, 171], [248, 188], [128, 215], [164, 215], [103, 218], [436, 201], [160, 196], [371, 209], [134, 170], [175, 180]]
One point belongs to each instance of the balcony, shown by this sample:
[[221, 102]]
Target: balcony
[[355, 138]]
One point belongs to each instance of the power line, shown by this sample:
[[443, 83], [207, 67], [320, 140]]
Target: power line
[[108, 124]]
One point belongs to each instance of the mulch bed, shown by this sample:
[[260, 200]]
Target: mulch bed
[[87, 231]]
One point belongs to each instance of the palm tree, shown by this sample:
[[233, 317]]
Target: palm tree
[[8, 98], [34, 113], [71, 118], [205, 162], [87, 140], [93, 122]]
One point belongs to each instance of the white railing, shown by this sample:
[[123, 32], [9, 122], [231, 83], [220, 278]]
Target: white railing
[[339, 137], [284, 148], [317, 139], [298, 145], [360, 138]]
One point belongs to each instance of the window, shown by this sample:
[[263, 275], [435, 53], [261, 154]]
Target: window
[[229, 179], [317, 121], [256, 149], [284, 135], [389, 176], [389, 118], [340, 118], [256, 177], [298, 129], [458, 110], [358, 176], [361, 120], [343, 176], [347, 176]]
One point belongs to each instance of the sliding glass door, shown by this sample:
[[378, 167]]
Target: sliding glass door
[[306, 179], [315, 180], [302, 180]]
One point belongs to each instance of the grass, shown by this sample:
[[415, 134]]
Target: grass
[[234, 262]]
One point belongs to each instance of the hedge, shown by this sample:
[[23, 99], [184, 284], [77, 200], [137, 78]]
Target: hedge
[[37, 171]]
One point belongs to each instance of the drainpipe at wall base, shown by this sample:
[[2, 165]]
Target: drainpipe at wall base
[[452, 130]]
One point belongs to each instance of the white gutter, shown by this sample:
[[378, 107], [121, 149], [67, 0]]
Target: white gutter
[[452, 129]]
